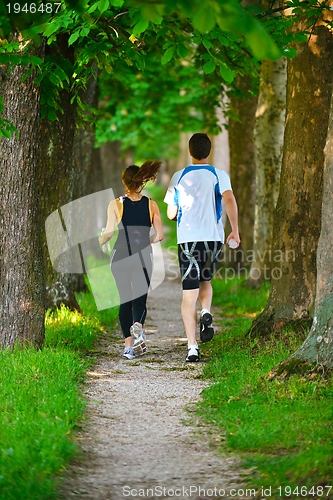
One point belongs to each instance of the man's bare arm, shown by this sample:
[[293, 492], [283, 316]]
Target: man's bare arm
[[172, 212], [232, 212]]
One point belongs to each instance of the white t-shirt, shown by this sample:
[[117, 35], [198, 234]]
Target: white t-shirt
[[197, 192]]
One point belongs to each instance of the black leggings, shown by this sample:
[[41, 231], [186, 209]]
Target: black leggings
[[133, 282]]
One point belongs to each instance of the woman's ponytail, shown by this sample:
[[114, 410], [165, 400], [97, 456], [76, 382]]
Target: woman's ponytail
[[135, 177]]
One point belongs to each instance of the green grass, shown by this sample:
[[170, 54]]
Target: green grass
[[40, 405], [41, 402], [281, 428]]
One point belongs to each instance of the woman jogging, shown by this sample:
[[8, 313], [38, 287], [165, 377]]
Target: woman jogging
[[131, 260]]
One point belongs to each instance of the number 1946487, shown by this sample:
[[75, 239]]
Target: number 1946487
[[32, 8]]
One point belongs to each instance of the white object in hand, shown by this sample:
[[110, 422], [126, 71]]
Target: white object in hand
[[232, 243], [106, 247]]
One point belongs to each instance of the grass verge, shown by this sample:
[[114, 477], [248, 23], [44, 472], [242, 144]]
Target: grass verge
[[41, 402], [282, 428]]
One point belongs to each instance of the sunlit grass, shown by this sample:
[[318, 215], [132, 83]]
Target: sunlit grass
[[282, 428], [41, 402]]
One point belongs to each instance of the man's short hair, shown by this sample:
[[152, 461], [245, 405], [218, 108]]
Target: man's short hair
[[199, 146]]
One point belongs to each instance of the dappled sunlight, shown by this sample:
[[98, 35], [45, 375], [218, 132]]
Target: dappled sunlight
[[96, 374]]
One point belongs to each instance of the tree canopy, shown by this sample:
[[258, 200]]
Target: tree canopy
[[218, 37]]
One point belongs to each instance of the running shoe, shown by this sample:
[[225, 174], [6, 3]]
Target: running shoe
[[136, 331], [139, 345], [128, 353], [193, 354], [139, 339], [206, 327]]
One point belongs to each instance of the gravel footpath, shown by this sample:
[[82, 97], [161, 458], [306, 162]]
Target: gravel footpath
[[140, 438]]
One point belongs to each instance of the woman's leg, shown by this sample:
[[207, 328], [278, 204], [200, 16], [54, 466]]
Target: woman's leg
[[141, 282], [122, 276]]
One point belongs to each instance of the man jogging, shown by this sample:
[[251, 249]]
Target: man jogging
[[194, 199]]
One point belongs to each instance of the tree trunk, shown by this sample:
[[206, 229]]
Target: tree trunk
[[268, 138], [298, 212], [84, 143], [317, 349], [88, 181], [242, 171], [59, 180], [22, 279], [113, 164]]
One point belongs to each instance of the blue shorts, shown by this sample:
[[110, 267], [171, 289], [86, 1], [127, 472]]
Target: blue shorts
[[197, 262]]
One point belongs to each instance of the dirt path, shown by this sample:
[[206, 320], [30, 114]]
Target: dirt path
[[139, 439]]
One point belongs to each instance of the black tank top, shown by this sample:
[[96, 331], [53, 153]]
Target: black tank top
[[134, 228]]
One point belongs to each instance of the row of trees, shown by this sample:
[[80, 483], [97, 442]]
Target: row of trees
[[143, 73], [290, 140]]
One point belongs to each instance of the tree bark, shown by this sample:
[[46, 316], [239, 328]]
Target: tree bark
[[113, 163], [268, 138], [58, 181], [22, 279], [298, 213], [242, 171], [84, 143], [317, 349]]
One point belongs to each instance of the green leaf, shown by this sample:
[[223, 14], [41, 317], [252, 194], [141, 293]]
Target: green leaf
[[61, 74], [204, 19], [36, 60], [55, 79], [261, 44], [141, 26], [52, 115], [161, 32], [103, 5], [153, 13], [26, 74], [209, 67], [51, 28], [117, 3], [182, 50], [74, 36], [92, 8], [207, 43], [85, 31], [168, 55], [289, 52], [140, 62], [301, 37], [226, 73], [6, 133]]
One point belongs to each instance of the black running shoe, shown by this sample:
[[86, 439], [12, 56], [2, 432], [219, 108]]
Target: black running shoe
[[206, 327]]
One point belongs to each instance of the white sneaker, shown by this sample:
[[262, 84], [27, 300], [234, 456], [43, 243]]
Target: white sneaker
[[128, 353], [136, 331], [139, 345], [193, 354], [139, 339]]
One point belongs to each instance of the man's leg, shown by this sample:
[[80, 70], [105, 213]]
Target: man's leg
[[206, 294], [189, 314], [205, 297]]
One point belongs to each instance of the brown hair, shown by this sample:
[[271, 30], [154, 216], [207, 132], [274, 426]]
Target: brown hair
[[135, 177]]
